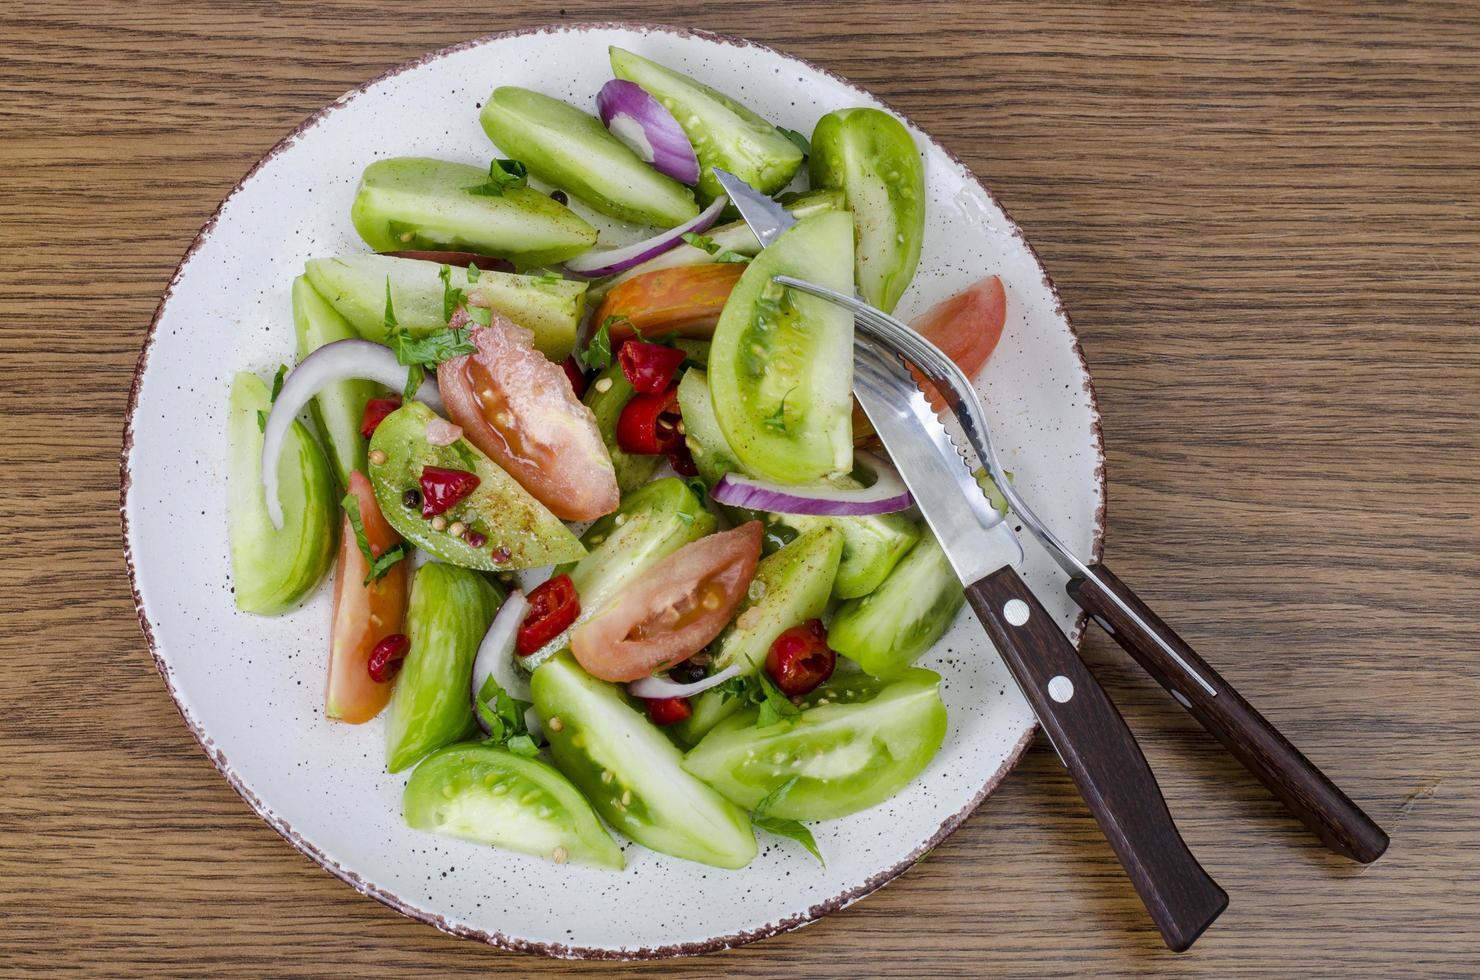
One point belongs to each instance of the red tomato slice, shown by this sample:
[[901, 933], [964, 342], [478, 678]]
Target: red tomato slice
[[518, 407], [673, 611], [363, 615], [966, 326], [685, 301]]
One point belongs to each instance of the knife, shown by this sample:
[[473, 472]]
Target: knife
[[1305, 790], [1089, 734]]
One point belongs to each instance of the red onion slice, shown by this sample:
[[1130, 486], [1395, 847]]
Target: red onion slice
[[648, 129], [887, 495], [662, 687], [343, 360], [610, 261]]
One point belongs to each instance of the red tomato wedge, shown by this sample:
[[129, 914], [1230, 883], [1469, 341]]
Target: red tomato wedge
[[364, 615], [685, 301], [966, 326], [673, 611], [518, 407]]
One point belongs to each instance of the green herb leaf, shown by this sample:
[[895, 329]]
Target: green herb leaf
[[378, 566], [504, 717], [522, 745], [277, 382], [480, 315], [801, 142], [473, 272], [261, 420], [415, 375], [794, 829], [701, 241], [776, 707], [452, 297], [735, 257], [597, 355], [389, 319], [784, 826], [433, 348], [502, 175]]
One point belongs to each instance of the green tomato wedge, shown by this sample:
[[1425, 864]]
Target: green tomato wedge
[[338, 409], [781, 363], [272, 568], [872, 545], [633, 470], [487, 794], [789, 588], [355, 286], [564, 146], [725, 134], [521, 533], [872, 158], [632, 774], [857, 742], [449, 611], [650, 525], [419, 203], [888, 629]]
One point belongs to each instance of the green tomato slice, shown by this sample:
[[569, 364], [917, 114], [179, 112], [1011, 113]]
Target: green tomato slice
[[871, 157], [273, 568], [420, 203], [888, 629], [857, 742], [781, 363], [449, 611], [338, 409], [487, 794], [520, 532], [632, 774]]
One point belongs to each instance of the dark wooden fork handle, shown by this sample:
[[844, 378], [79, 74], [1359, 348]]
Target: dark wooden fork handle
[[1102, 756], [1303, 788]]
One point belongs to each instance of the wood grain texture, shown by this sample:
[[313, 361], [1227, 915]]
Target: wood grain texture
[[1307, 792], [1265, 220]]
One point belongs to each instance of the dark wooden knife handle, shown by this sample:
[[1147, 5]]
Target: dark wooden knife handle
[[1305, 790], [1102, 756]]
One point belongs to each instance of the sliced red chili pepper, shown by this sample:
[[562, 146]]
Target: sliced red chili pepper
[[650, 367], [442, 489], [800, 658], [553, 605], [385, 659], [376, 409], [575, 374], [668, 711], [648, 425]]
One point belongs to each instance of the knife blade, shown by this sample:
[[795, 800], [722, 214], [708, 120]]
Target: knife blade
[[766, 218], [1076, 714]]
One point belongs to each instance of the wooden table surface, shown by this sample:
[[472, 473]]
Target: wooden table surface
[[1265, 221]]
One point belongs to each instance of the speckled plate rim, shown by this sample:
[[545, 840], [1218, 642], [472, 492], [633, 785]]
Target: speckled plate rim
[[497, 939]]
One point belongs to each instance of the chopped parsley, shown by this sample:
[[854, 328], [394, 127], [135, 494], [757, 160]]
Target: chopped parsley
[[759, 689], [428, 350], [713, 248], [277, 382], [597, 355], [503, 715], [503, 175], [801, 142], [378, 565], [452, 297], [784, 826], [261, 420]]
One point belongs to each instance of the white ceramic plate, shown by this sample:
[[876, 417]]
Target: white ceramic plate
[[250, 688]]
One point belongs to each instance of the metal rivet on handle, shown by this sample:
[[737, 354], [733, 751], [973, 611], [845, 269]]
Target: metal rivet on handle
[[1016, 611], [1060, 688]]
